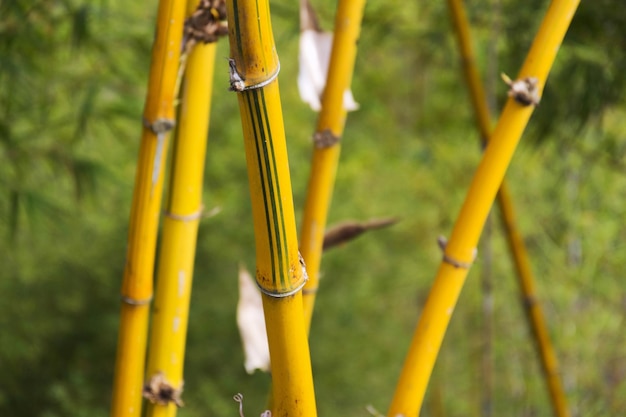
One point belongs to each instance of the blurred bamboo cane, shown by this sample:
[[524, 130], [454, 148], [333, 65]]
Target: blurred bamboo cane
[[183, 212], [138, 273], [327, 145], [459, 250], [516, 244], [280, 271]]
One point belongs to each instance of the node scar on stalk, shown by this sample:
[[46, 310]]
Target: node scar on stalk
[[525, 90], [159, 391], [207, 23], [236, 82]]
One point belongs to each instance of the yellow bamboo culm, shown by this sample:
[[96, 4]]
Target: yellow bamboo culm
[[138, 272], [516, 243], [280, 274], [180, 229], [459, 251], [327, 145]]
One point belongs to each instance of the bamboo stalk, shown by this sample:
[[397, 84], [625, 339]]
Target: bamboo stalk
[[327, 147], [533, 309], [179, 235], [486, 404], [138, 273], [459, 251], [279, 272], [517, 248]]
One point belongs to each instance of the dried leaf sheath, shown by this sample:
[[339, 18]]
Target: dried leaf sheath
[[138, 273], [279, 273], [516, 243], [460, 249]]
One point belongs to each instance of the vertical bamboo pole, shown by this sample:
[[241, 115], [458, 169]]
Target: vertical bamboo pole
[[459, 252], [516, 244], [180, 228], [138, 272], [330, 126], [280, 273]]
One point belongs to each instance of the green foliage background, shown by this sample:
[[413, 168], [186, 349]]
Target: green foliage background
[[72, 83]]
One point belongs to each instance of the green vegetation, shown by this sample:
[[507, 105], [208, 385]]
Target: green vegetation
[[73, 76]]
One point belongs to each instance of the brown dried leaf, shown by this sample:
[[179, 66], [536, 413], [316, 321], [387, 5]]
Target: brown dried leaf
[[349, 230]]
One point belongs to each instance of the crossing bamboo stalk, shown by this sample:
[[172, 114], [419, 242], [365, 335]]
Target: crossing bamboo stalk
[[280, 273], [459, 250], [516, 244], [330, 124], [180, 228], [137, 285], [534, 313]]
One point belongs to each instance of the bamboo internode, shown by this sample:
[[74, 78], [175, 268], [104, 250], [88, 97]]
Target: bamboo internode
[[461, 246], [137, 284], [279, 271]]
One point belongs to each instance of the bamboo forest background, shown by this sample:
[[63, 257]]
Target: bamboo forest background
[[73, 76]]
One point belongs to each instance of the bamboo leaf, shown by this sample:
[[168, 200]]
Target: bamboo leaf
[[86, 174], [14, 211], [37, 206], [86, 109], [80, 26]]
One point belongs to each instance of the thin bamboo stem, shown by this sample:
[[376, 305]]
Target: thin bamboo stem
[[279, 271], [180, 227], [325, 158], [459, 252], [486, 405], [532, 307], [516, 244], [137, 283]]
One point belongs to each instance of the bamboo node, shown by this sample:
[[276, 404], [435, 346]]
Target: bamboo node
[[325, 139], [207, 23], [271, 292], [185, 217], [524, 90], [238, 83], [442, 242], [135, 302], [159, 391], [159, 126]]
